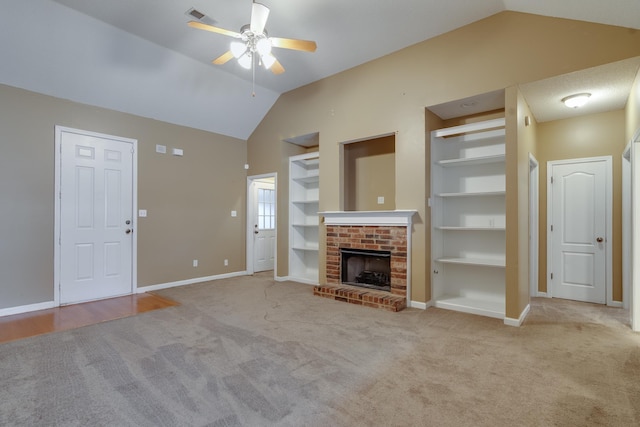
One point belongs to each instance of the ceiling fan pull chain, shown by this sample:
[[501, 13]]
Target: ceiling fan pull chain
[[253, 70]]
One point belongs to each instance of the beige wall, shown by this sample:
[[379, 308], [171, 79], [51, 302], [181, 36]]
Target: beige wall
[[389, 95], [586, 136], [521, 140], [189, 199], [370, 172]]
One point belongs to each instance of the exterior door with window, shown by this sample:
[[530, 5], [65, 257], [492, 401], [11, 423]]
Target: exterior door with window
[[264, 230]]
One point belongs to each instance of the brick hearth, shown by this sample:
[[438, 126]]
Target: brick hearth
[[361, 296]]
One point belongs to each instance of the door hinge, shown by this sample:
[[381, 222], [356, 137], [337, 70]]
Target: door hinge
[[132, 151], [552, 180], [551, 276], [551, 227]]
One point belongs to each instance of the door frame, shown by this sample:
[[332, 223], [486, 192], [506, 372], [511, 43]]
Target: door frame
[[251, 203], [626, 226], [635, 238], [534, 213], [608, 223], [59, 130]]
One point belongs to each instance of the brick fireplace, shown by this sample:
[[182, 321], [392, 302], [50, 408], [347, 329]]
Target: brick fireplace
[[381, 231]]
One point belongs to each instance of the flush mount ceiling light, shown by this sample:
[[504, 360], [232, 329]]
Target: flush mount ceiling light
[[577, 100]]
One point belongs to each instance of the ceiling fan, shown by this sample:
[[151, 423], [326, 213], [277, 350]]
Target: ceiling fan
[[254, 44]]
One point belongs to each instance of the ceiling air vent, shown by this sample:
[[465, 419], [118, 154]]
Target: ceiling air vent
[[195, 14]]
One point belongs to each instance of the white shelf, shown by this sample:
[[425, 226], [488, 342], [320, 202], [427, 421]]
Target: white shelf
[[470, 127], [482, 307], [468, 181], [469, 161], [303, 217], [452, 228], [473, 194], [309, 179], [487, 262], [305, 248]]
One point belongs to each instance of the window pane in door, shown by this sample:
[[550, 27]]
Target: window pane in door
[[266, 209]]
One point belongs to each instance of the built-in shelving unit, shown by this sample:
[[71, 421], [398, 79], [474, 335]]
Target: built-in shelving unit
[[468, 218], [304, 180]]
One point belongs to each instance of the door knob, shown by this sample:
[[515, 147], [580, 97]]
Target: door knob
[[128, 231], [256, 232], [599, 240]]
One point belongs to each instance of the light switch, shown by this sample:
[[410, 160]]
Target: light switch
[[177, 152], [381, 200], [162, 149], [234, 213], [142, 213]]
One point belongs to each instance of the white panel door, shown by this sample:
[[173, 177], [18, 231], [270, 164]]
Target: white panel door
[[579, 231], [264, 230], [96, 214]]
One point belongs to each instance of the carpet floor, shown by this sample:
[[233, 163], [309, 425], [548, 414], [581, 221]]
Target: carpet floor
[[249, 351]]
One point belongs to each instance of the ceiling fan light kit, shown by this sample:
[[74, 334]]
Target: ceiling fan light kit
[[254, 43]]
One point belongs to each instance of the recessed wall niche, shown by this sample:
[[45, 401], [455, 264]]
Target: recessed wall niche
[[369, 175]]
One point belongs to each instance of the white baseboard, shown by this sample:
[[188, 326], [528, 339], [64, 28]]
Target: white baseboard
[[617, 304], [281, 278], [517, 322], [420, 305], [188, 282], [27, 308], [543, 295]]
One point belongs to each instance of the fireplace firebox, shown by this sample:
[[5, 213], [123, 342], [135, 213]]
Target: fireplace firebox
[[366, 268]]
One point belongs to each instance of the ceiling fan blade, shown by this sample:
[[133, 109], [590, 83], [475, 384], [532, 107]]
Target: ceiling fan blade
[[211, 28], [304, 45], [224, 58], [259, 15], [277, 67]]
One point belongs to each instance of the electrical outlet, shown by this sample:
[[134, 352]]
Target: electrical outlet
[[381, 200], [226, 262], [195, 262]]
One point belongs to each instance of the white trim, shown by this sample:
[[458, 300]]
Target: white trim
[[635, 238], [518, 322], [608, 214], [380, 218], [189, 281], [470, 127], [534, 231], [56, 227], [420, 305], [282, 278], [249, 216], [626, 226], [543, 295], [616, 304], [27, 308]]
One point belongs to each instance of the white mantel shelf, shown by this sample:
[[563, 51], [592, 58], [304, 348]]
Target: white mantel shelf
[[397, 217]]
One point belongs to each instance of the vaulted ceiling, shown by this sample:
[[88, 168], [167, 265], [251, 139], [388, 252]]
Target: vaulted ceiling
[[140, 57]]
